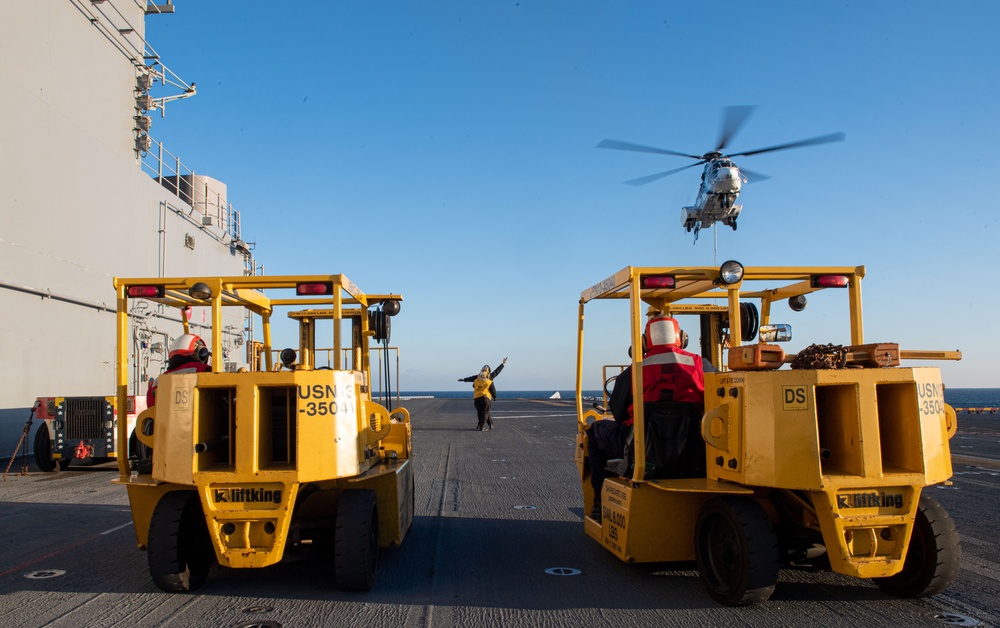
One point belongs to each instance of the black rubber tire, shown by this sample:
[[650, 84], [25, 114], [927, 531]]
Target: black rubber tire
[[139, 451], [63, 463], [179, 550], [43, 450], [932, 558], [413, 502], [737, 551], [356, 540]]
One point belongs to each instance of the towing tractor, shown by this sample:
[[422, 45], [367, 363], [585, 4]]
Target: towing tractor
[[79, 428], [816, 459], [285, 455]]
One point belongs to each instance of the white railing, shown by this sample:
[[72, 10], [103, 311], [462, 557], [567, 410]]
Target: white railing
[[210, 204]]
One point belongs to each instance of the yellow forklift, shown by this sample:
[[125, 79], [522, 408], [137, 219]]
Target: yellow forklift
[[246, 464], [815, 460]]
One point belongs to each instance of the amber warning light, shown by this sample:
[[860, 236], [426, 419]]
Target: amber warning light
[[658, 281], [138, 292], [829, 281], [313, 289]]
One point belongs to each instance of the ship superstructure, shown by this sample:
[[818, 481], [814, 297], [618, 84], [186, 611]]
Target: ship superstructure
[[86, 193]]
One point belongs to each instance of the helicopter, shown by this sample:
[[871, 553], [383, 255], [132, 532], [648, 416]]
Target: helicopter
[[721, 179]]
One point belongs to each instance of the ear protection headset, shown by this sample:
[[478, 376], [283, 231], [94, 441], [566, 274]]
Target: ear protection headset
[[201, 353], [190, 345]]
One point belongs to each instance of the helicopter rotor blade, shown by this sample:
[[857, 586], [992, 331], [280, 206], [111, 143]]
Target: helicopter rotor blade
[[619, 145], [822, 139], [732, 120], [659, 175], [754, 177]]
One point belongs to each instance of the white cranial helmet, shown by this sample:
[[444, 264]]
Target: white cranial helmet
[[663, 331], [189, 345]]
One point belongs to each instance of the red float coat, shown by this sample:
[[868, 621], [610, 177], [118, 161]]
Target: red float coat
[[671, 374], [193, 366]]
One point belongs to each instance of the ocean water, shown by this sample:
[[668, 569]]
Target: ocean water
[[956, 397], [972, 397], [501, 394]]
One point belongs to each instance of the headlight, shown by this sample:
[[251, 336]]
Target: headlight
[[390, 307], [797, 303], [200, 291], [731, 272]]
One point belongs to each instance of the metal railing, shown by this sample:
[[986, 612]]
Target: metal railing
[[211, 204]]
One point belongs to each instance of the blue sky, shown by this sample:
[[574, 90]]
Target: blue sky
[[446, 151]]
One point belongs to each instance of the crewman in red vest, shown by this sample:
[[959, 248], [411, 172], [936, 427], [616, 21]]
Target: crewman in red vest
[[188, 354], [669, 374]]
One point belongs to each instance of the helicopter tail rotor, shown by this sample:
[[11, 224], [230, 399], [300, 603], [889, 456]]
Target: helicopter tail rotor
[[753, 176]]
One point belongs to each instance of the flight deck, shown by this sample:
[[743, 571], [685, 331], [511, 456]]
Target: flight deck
[[497, 540]]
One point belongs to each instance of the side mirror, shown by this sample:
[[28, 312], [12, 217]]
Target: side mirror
[[779, 332]]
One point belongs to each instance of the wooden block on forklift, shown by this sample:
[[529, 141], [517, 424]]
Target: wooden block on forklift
[[875, 355], [757, 357]]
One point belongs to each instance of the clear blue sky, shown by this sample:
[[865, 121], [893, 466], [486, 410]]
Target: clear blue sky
[[446, 150]]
